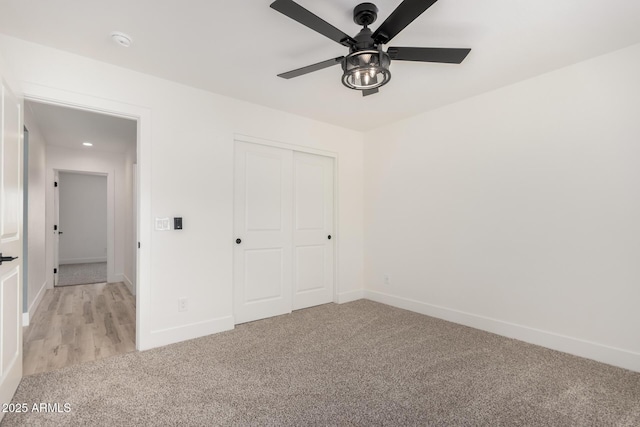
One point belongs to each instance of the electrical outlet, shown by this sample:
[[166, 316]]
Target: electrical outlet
[[182, 304], [387, 279]]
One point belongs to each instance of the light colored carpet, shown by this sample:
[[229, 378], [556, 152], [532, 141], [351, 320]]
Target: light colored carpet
[[356, 364], [82, 274]]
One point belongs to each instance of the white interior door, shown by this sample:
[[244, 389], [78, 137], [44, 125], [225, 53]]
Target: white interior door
[[263, 232], [56, 227], [10, 246], [313, 230]]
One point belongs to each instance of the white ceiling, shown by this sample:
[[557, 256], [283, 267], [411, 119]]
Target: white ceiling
[[68, 127], [236, 48]]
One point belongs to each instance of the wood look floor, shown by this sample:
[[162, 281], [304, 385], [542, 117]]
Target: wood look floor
[[75, 324]]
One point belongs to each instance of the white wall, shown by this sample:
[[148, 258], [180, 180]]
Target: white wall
[[83, 218], [37, 229], [191, 171], [91, 161], [517, 211]]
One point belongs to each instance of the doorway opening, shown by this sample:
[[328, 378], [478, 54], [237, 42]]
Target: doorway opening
[[81, 248], [88, 310]]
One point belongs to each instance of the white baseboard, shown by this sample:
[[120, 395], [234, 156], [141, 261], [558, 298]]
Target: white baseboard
[[128, 284], [82, 260], [350, 296], [186, 332], [34, 305], [590, 350]]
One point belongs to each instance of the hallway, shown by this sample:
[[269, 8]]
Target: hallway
[[75, 324]]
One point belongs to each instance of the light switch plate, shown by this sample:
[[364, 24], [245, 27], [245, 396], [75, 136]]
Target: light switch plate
[[162, 224]]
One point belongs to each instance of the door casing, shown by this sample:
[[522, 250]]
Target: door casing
[[42, 94]]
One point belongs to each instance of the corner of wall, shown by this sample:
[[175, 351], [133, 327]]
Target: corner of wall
[[129, 284], [31, 311], [350, 296]]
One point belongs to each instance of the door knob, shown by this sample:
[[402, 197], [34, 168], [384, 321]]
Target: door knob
[[329, 237], [238, 241], [6, 258]]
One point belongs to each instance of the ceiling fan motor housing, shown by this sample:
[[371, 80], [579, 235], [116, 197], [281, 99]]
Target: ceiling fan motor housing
[[364, 40]]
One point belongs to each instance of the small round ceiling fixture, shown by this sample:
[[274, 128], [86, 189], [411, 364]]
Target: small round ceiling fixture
[[121, 39], [87, 144]]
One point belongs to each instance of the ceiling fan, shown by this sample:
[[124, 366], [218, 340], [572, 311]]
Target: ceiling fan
[[366, 66]]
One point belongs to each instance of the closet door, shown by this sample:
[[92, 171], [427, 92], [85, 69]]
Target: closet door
[[313, 239], [263, 231]]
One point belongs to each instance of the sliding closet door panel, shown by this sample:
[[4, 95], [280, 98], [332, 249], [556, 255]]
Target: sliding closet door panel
[[263, 229], [263, 192], [313, 224], [263, 274]]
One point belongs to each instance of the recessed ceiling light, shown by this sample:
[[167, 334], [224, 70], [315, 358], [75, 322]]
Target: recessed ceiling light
[[121, 39], [87, 144]]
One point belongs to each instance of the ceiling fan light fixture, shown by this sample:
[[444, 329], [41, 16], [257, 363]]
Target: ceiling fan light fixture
[[366, 69]]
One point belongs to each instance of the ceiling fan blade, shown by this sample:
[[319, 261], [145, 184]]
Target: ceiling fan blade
[[428, 54], [368, 92], [311, 68], [298, 13], [400, 18]]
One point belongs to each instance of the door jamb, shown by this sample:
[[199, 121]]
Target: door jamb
[[25, 225]]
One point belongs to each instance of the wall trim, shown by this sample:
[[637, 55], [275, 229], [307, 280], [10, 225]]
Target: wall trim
[[349, 296], [31, 311], [82, 260], [187, 332], [599, 352]]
